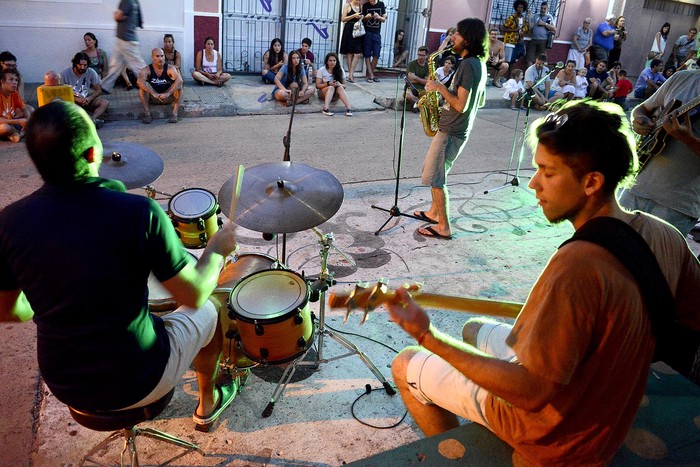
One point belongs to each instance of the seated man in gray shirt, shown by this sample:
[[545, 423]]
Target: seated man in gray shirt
[[87, 89]]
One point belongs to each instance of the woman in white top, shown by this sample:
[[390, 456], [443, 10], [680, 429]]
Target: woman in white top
[[445, 72], [564, 85], [659, 44], [208, 67], [330, 82]]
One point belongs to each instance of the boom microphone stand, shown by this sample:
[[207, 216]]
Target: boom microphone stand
[[515, 181], [395, 211]]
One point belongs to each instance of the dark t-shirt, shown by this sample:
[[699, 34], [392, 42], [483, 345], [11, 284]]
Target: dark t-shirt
[[82, 254], [126, 30], [373, 25], [471, 75], [162, 83], [418, 70]]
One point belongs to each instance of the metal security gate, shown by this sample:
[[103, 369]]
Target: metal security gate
[[414, 15], [250, 25], [416, 25]]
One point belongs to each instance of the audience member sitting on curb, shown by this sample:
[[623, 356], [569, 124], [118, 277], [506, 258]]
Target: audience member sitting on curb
[[417, 74], [400, 49], [446, 43], [97, 57], [599, 81], [535, 74], [159, 84], [9, 61], [13, 112], [564, 84], [649, 80], [669, 71], [614, 71], [87, 89], [581, 84], [208, 66], [330, 82], [621, 89], [292, 72], [658, 46], [514, 89], [273, 60], [692, 63], [172, 56], [307, 57], [684, 47], [445, 73], [497, 58]]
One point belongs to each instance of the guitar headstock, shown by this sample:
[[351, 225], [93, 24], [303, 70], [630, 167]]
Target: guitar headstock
[[364, 296]]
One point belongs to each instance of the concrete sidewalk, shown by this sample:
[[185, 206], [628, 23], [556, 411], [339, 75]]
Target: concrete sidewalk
[[247, 95]]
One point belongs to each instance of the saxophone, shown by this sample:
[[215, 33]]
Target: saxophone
[[429, 102]]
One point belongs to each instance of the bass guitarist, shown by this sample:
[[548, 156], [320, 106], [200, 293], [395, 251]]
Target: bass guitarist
[[668, 186]]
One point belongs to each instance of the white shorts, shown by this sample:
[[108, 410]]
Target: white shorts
[[433, 381], [188, 331]]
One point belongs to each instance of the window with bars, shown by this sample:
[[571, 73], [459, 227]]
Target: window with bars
[[675, 8]]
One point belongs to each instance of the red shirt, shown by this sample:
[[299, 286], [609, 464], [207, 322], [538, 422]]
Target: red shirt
[[624, 87]]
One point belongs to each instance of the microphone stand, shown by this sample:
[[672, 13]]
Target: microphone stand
[[515, 181], [394, 211], [286, 141]]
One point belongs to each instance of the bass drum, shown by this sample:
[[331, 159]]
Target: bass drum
[[272, 312]]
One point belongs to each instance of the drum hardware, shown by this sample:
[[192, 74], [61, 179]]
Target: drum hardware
[[325, 280], [151, 192], [132, 164]]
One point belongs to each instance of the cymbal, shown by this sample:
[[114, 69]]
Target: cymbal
[[133, 164], [283, 197]]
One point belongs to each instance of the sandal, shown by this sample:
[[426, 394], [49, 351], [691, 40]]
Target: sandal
[[226, 395]]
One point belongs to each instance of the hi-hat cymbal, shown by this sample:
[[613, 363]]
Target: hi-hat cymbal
[[283, 197], [133, 164]]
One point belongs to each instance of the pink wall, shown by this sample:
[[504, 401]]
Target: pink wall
[[205, 26], [206, 6]]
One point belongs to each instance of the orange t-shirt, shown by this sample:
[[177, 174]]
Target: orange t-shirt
[[11, 106]]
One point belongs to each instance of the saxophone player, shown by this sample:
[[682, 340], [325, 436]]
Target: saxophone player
[[417, 74], [462, 99]]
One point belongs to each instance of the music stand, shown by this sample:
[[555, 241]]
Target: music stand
[[394, 211]]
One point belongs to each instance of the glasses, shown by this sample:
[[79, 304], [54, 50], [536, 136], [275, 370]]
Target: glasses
[[422, 55], [556, 120]]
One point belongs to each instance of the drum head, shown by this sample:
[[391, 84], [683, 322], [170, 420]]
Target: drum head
[[269, 296], [192, 203]]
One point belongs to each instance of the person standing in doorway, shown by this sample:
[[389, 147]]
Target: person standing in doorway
[[373, 14]]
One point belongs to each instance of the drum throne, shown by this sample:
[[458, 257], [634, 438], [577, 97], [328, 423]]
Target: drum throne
[[124, 424]]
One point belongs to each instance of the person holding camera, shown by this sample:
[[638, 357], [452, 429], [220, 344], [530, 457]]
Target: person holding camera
[[541, 26]]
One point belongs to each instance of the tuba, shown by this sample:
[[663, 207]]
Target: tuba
[[429, 102]]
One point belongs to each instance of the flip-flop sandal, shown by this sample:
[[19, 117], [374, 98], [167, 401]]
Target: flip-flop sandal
[[226, 395], [433, 234], [422, 216]]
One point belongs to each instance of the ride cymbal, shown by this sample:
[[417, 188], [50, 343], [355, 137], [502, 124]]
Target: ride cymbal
[[133, 164], [283, 197]]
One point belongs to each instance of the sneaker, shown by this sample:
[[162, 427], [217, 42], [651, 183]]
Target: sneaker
[[348, 112], [147, 118], [99, 123], [327, 112]]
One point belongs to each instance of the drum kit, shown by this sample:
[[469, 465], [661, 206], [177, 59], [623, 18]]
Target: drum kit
[[269, 319]]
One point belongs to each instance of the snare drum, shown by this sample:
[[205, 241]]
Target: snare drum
[[194, 215], [272, 312]]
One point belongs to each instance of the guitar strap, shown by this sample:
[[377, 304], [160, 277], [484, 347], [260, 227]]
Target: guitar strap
[[676, 344]]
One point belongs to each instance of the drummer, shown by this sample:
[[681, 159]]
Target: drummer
[[98, 346]]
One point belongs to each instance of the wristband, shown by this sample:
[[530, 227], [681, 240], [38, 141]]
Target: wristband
[[422, 336]]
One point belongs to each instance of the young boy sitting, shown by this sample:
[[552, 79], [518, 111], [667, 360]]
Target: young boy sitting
[[622, 89], [513, 88]]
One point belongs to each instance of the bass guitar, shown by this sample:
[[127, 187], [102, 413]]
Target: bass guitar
[[653, 143], [368, 297]]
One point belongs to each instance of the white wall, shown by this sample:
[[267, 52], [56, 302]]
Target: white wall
[[44, 35]]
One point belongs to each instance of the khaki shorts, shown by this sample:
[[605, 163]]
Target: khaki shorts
[[433, 381], [188, 331], [168, 100]]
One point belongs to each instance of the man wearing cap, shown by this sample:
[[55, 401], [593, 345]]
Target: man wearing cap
[[604, 39]]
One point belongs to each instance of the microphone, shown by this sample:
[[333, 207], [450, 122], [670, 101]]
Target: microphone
[[559, 65], [413, 88], [295, 91]]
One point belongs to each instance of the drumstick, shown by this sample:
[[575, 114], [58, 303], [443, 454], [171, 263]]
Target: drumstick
[[237, 182]]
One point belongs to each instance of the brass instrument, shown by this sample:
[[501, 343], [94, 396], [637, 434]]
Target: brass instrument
[[429, 102]]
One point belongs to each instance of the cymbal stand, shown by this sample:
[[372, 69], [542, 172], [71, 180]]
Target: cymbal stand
[[151, 192], [325, 279], [394, 211], [515, 181]]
